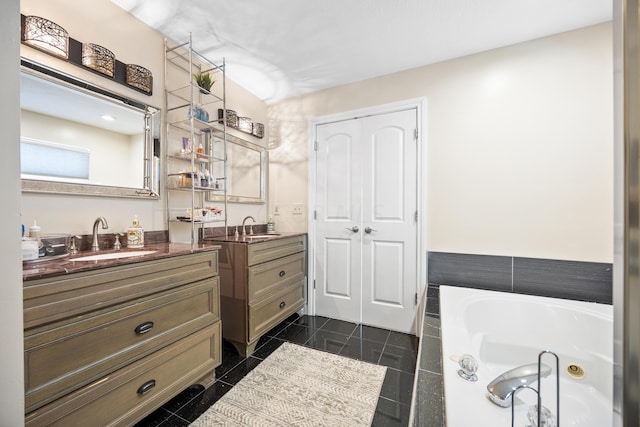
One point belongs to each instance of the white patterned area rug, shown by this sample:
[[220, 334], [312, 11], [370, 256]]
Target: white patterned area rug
[[300, 386]]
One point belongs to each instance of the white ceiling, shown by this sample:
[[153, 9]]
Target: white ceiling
[[283, 48]]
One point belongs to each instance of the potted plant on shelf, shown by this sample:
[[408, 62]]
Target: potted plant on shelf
[[203, 80]]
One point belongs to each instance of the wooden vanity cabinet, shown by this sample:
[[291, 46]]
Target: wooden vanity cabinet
[[111, 345], [261, 284]]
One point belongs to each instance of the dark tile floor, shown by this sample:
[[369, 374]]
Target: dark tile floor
[[395, 350]]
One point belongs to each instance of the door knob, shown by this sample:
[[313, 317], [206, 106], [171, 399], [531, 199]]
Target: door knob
[[354, 229], [368, 230]]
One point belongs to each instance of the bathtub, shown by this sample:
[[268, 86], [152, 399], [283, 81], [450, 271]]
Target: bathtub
[[503, 331]]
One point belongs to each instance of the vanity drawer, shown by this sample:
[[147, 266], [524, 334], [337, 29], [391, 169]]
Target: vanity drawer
[[271, 249], [51, 299], [65, 355], [268, 313], [127, 395], [269, 277]]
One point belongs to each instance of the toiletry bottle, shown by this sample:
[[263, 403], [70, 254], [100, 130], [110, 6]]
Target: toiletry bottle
[[135, 235], [271, 226], [35, 232]]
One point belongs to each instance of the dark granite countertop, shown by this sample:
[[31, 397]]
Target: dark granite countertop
[[261, 237], [67, 265]]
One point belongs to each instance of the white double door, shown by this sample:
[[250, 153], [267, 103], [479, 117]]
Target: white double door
[[366, 220]]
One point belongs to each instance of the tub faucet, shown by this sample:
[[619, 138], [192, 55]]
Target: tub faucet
[[244, 229], [501, 389], [95, 246]]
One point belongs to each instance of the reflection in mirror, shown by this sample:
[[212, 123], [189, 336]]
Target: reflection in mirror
[[245, 174], [76, 138]]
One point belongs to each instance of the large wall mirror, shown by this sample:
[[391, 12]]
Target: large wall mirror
[[246, 171], [76, 138]]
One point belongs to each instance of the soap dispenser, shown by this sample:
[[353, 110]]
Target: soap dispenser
[[135, 235]]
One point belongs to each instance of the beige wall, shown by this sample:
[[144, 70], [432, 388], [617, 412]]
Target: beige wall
[[519, 143], [131, 41]]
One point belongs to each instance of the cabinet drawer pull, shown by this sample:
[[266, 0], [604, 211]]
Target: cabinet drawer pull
[[282, 304], [143, 328], [144, 388], [282, 273]]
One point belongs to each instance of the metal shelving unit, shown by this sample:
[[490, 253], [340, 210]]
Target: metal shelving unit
[[195, 143]]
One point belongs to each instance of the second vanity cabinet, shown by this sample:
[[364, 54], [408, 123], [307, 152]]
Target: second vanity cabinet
[[111, 345], [262, 283]]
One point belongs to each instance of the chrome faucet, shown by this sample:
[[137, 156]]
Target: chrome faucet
[[95, 246], [501, 389], [244, 229]]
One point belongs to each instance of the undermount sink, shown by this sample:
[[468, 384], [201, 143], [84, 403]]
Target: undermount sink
[[113, 255]]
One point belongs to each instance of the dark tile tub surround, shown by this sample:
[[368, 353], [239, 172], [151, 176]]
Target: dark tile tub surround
[[428, 403], [472, 271], [576, 280], [586, 281]]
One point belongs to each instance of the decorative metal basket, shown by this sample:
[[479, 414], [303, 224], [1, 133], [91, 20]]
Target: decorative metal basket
[[232, 118], [46, 36], [245, 124], [139, 77], [258, 130], [98, 58]]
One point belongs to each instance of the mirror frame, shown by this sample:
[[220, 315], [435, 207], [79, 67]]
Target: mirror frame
[[151, 116], [232, 198]]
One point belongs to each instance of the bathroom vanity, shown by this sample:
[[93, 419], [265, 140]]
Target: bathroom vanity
[[261, 283], [110, 341]]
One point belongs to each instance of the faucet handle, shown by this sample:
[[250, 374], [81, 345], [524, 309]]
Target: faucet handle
[[74, 248], [468, 367], [117, 245]]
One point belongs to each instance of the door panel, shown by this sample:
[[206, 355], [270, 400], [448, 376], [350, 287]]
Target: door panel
[[338, 252], [389, 279], [387, 265], [386, 174], [338, 282], [338, 201]]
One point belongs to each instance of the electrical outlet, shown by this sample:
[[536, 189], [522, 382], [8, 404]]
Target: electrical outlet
[[297, 209]]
